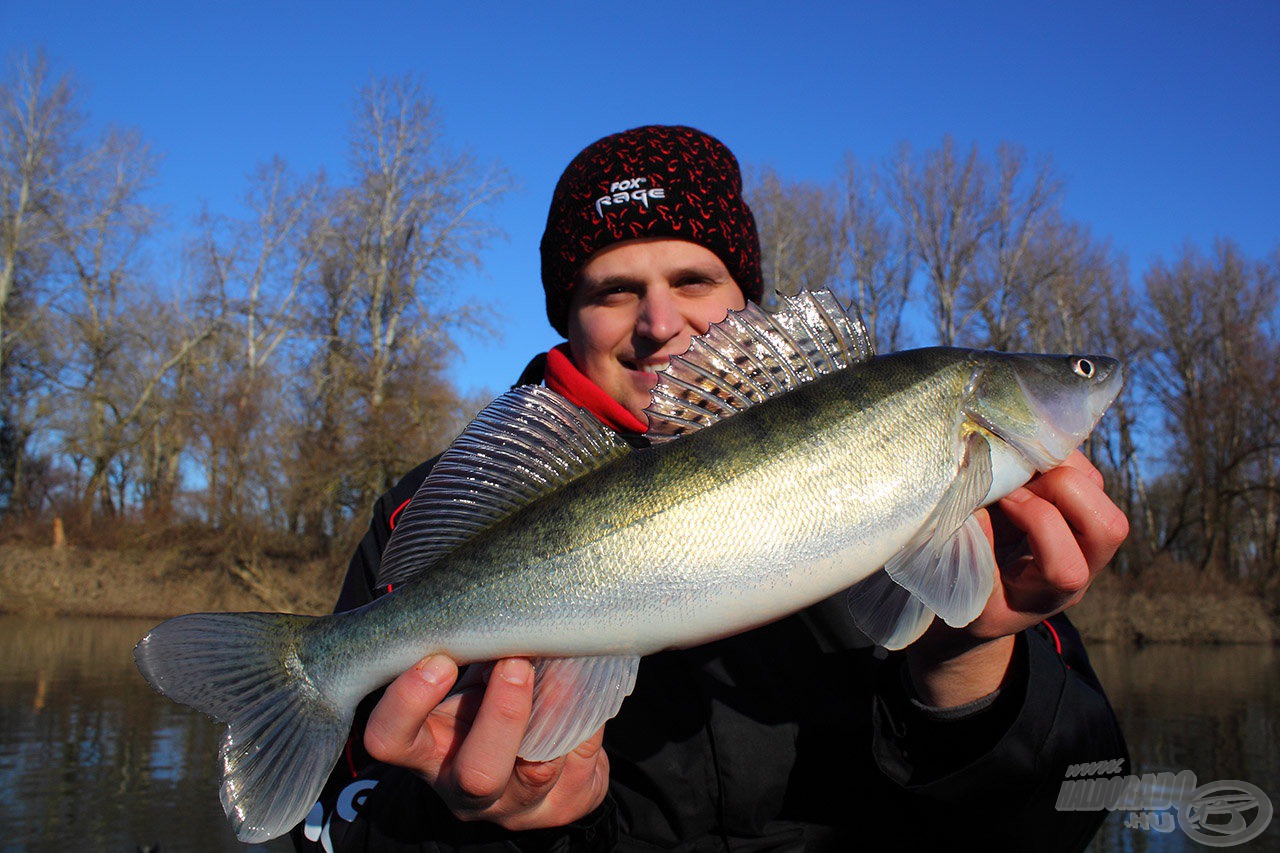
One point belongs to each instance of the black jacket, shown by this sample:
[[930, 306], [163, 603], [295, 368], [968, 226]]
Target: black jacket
[[792, 736]]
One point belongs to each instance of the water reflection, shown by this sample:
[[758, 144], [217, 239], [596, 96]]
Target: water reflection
[[1212, 710], [92, 758]]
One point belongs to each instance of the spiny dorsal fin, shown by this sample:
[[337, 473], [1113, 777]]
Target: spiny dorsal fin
[[527, 443], [754, 355]]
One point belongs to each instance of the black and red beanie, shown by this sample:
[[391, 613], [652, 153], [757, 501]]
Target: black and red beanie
[[653, 181]]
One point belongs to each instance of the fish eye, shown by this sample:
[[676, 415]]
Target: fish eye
[[1083, 367]]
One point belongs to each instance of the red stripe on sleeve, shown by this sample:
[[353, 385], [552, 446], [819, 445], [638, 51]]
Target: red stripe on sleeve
[[391, 523]]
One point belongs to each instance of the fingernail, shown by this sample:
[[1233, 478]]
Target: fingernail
[[435, 669], [1019, 495], [515, 672]]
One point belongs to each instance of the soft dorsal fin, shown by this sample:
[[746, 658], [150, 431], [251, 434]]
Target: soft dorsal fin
[[754, 355], [527, 443]]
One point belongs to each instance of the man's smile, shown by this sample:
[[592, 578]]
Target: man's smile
[[650, 366]]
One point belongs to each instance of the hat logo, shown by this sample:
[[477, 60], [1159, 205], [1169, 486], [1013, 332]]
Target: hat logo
[[629, 190]]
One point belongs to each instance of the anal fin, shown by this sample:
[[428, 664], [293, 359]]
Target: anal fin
[[572, 697]]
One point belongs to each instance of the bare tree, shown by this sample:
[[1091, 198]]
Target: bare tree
[[99, 239], [834, 236], [393, 241], [1056, 302], [252, 271], [1004, 283], [942, 201], [799, 232], [38, 129], [877, 255], [1214, 369], [105, 315], [157, 432]]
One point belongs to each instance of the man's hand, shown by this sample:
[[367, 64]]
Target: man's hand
[[1051, 537], [465, 745]]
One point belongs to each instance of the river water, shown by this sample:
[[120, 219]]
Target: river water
[[92, 759]]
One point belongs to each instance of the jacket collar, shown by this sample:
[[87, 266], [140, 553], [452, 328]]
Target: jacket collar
[[563, 377]]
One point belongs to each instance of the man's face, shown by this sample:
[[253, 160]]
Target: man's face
[[637, 303]]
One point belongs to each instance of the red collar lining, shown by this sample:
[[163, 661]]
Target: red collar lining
[[564, 377]]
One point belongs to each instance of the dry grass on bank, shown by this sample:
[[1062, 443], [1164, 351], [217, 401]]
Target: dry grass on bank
[[81, 582], [80, 565], [1171, 603]]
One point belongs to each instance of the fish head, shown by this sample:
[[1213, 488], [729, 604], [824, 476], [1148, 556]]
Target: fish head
[[1041, 406]]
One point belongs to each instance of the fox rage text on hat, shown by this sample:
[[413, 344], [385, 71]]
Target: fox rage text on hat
[[632, 189]]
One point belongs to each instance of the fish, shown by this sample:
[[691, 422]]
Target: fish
[[788, 463]]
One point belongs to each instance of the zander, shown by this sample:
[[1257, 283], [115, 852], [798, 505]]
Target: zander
[[788, 463]]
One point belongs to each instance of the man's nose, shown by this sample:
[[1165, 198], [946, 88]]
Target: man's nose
[[659, 318]]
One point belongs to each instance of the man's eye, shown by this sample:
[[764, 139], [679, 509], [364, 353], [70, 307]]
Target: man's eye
[[611, 295], [695, 281]]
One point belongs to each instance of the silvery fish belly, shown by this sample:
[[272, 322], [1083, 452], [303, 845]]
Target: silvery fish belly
[[787, 463]]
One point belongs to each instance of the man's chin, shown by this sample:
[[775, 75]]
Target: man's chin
[[642, 385]]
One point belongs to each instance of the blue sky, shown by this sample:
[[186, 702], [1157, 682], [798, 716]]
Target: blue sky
[[1163, 118]]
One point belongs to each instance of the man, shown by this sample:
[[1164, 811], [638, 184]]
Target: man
[[795, 735]]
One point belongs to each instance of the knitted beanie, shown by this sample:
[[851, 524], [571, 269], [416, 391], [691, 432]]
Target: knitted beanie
[[653, 181]]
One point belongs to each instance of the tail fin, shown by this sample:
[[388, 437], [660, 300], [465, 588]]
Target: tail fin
[[284, 733]]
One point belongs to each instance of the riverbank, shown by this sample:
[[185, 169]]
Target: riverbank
[[1174, 610], [158, 584]]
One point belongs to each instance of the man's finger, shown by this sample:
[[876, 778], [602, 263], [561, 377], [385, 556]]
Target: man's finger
[[1099, 526], [1060, 571], [581, 780], [1080, 462], [397, 725], [483, 764], [542, 774]]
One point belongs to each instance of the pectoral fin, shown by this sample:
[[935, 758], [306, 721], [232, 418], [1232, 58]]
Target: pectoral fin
[[949, 564], [572, 697]]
